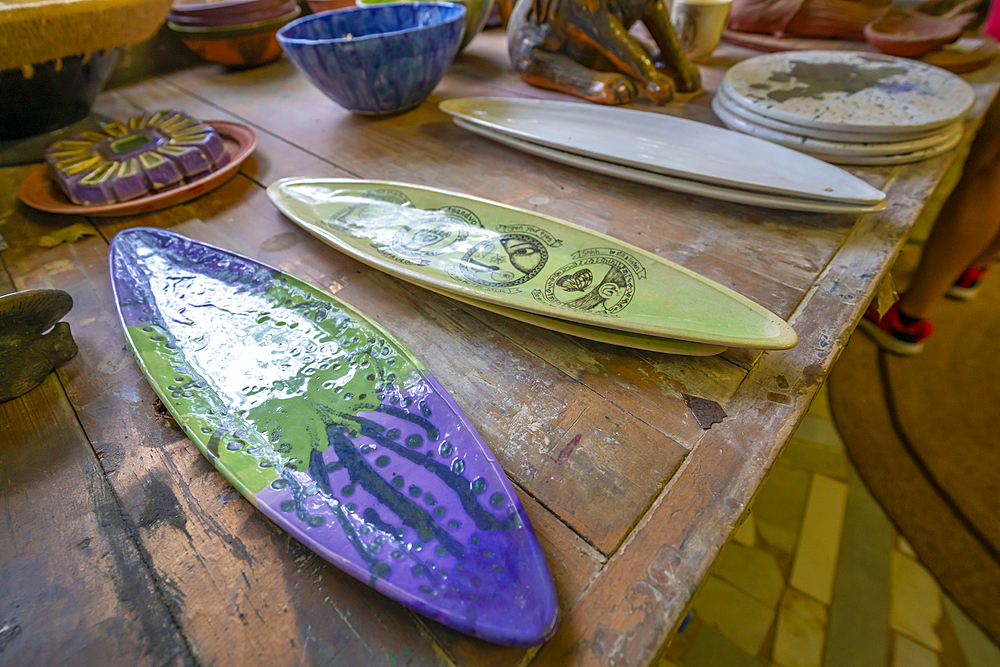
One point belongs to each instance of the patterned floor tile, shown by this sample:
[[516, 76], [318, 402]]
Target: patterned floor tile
[[798, 640], [916, 601], [753, 571], [711, 649], [746, 534], [740, 618], [819, 430], [779, 505], [819, 542], [977, 647], [858, 631], [815, 457], [871, 582], [908, 653]]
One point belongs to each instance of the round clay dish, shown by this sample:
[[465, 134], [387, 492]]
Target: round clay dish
[[39, 191]]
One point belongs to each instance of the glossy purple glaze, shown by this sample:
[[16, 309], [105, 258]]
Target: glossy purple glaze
[[347, 443]]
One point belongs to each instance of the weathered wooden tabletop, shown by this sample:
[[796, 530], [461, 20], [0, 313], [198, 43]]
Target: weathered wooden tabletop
[[121, 545]]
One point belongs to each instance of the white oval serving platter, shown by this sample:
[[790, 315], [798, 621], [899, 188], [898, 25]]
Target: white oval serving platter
[[670, 183], [667, 145]]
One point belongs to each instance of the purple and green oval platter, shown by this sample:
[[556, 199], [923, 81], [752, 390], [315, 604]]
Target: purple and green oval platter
[[333, 430]]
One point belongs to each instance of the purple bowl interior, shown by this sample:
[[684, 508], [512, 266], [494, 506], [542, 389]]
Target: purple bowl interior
[[236, 19], [371, 21], [225, 8]]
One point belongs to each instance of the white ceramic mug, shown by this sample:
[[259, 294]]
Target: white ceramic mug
[[699, 25]]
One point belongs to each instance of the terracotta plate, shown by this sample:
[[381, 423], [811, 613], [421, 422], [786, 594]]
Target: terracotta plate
[[954, 61], [39, 190]]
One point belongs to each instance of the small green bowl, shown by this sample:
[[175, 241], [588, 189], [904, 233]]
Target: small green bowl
[[477, 11]]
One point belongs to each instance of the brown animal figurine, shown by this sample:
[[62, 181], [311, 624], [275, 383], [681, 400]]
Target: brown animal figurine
[[583, 47], [32, 339]]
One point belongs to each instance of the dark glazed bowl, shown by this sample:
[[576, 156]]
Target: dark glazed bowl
[[380, 59], [238, 46], [47, 96], [235, 16]]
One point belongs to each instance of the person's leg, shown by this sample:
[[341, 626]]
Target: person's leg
[[989, 256], [967, 230], [968, 225]]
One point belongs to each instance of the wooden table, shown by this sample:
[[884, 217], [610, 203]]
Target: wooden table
[[121, 545]]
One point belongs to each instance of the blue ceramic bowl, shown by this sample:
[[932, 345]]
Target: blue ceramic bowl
[[379, 59]]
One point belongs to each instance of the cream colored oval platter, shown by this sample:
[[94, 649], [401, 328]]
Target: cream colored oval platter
[[685, 348], [668, 182], [518, 259], [667, 145]]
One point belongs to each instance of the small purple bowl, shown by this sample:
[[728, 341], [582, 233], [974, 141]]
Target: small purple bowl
[[378, 59]]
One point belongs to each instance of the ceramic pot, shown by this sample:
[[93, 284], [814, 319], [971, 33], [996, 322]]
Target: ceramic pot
[[380, 59], [475, 19], [47, 96], [237, 46]]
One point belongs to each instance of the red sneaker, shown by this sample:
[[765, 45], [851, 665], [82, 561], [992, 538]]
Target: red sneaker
[[892, 335], [967, 285]]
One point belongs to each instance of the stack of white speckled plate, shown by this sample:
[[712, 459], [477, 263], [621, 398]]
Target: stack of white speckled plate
[[846, 107]]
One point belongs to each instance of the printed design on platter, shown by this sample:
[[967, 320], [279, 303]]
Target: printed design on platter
[[598, 280], [450, 227], [514, 256]]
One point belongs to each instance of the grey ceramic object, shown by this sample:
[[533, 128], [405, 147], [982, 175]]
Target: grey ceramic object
[[32, 339]]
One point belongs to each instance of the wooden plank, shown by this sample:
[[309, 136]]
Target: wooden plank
[[73, 584], [116, 408], [586, 459], [591, 433], [573, 564], [74, 588], [241, 590]]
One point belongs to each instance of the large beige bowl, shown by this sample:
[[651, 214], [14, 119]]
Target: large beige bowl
[[34, 31]]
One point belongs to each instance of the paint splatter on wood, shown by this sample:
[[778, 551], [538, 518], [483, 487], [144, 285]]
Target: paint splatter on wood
[[706, 412]]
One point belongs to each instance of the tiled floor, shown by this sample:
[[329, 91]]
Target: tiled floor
[[817, 576]]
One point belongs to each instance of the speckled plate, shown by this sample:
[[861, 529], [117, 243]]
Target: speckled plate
[[523, 260], [333, 430], [921, 138], [844, 153], [849, 91]]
